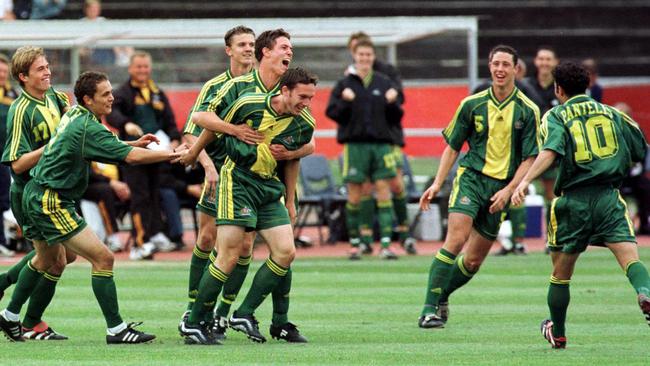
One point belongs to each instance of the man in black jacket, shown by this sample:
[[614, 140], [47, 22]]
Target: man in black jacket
[[140, 107], [365, 104]]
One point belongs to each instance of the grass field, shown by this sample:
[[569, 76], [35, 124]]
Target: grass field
[[362, 313]]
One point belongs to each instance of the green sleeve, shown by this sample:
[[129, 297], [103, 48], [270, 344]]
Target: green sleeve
[[18, 135], [531, 138], [634, 138], [553, 133], [459, 128], [227, 94], [100, 144]]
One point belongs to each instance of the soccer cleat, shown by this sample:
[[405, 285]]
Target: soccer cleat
[[387, 254], [43, 332], [409, 245], [365, 248], [355, 255], [644, 304], [247, 324], [429, 321], [184, 317], [162, 243], [129, 336], [520, 248], [443, 311], [12, 330], [547, 333], [199, 334], [289, 332], [219, 327], [146, 251]]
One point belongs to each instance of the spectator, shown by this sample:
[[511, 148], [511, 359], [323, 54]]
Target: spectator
[[141, 107], [117, 55], [173, 189], [7, 10], [595, 91], [107, 191], [47, 9], [545, 61], [365, 104], [7, 95]]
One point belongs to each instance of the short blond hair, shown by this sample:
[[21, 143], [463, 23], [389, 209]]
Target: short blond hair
[[139, 53], [23, 59]]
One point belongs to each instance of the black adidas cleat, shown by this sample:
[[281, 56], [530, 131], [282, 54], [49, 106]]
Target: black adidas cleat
[[219, 327], [644, 304], [430, 321], [443, 311], [409, 246], [547, 333], [12, 330], [247, 324], [184, 317], [199, 334], [130, 336], [43, 332], [289, 332]]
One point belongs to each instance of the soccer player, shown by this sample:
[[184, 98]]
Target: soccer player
[[365, 104], [274, 52], [500, 126], [240, 47], [31, 121], [59, 180], [250, 198], [595, 145]]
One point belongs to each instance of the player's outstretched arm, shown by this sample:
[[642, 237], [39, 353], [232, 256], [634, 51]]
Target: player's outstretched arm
[[448, 159], [502, 197], [543, 161], [145, 156]]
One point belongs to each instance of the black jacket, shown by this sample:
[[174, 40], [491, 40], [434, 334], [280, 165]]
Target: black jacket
[[124, 108], [369, 117]]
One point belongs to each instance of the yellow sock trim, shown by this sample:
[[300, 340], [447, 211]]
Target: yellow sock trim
[[443, 258], [558, 281], [50, 277], [461, 266], [102, 273], [201, 254], [627, 266], [278, 270], [244, 261], [217, 273], [213, 256]]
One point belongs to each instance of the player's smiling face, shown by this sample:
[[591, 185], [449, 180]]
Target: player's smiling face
[[242, 49], [37, 80], [140, 69], [280, 55], [502, 69], [364, 57], [101, 103], [298, 98]]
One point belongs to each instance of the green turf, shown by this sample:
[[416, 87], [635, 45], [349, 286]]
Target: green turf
[[362, 313]]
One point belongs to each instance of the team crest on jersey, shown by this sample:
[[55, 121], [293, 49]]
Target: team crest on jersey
[[519, 125], [245, 211], [376, 92], [289, 140], [478, 123], [465, 200]]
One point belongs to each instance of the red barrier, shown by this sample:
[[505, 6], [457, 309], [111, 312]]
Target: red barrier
[[426, 107]]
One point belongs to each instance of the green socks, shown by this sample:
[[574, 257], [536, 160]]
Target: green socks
[[458, 278], [27, 281], [197, 267], [11, 276], [438, 278], [352, 221], [366, 220], [266, 280], [385, 218], [281, 300], [558, 302], [638, 276], [233, 285], [106, 295], [209, 289], [40, 299]]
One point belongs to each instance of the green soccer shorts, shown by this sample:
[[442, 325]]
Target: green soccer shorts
[[470, 195], [368, 161], [517, 216], [592, 215], [208, 201], [398, 156], [16, 203], [248, 200], [48, 216]]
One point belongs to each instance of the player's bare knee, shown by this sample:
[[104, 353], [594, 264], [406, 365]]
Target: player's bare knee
[[284, 256], [472, 264], [58, 266], [70, 256], [206, 240], [105, 261]]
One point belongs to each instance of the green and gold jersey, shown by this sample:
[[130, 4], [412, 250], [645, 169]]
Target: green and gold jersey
[[499, 134], [288, 130], [224, 96], [79, 139], [209, 89], [7, 96], [595, 143], [30, 124]]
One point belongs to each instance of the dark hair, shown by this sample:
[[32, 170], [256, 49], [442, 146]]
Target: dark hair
[[267, 40], [356, 36], [297, 75], [505, 49], [363, 42], [571, 77], [240, 29], [87, 85], [546, 48]]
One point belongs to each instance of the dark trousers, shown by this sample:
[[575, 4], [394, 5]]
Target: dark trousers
[[144, 183], [102, 194]]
